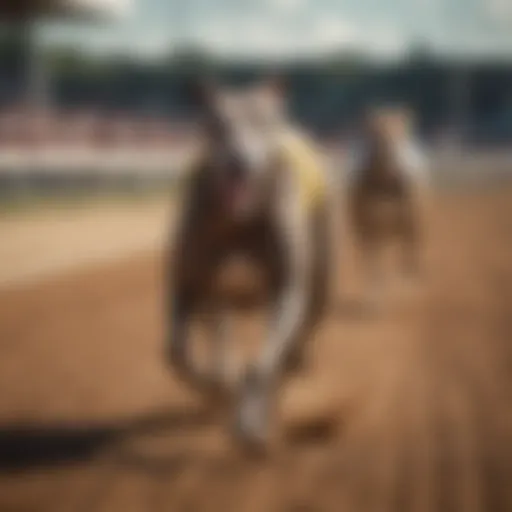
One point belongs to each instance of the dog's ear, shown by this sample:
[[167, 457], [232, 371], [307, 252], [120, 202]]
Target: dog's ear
[[409, 118], [201, 93], [204, 95], [275, 85], [271, 101]]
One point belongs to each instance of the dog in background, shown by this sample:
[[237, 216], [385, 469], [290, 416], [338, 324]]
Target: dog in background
[[387, 189], [257, 187]]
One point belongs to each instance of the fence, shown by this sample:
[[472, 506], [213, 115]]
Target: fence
[[86, 148], [39, 148]]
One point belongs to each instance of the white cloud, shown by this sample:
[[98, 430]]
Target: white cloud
[[153, 46], [258, 35], [287, 6], [387, 43], [499, 10], [283, 27], [328, 32], [266, 37]]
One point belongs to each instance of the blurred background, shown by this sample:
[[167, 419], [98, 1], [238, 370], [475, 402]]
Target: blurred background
[[92, 82], [94, 130]]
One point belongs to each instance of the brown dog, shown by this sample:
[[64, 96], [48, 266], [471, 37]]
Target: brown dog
[[256, 188], [387, 193]]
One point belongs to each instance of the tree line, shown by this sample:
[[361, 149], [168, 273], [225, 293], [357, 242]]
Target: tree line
[[326, 93]]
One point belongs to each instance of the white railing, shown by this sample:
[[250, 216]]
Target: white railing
[[71, 142]]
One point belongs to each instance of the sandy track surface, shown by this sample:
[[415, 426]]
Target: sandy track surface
[[40, 245], [418, 398]]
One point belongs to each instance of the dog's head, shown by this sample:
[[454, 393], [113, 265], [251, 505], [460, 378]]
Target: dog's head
[[385, 130], [387, 126], [240, 130]]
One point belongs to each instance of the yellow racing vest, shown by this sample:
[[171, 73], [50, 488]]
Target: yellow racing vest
[[302, 158]]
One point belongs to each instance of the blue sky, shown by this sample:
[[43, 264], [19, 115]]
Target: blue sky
[[282, 28]]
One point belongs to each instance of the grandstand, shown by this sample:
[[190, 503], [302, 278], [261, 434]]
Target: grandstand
[[129, 121], [40, 144]]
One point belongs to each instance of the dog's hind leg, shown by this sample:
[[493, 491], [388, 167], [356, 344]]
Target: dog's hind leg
[[372, 271], [411, 258], [412, 243], [415, 227]]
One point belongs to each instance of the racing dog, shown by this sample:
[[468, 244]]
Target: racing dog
[[387, 193], [256, 186]]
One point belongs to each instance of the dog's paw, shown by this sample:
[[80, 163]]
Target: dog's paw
[[295, 362], [250, 439], [252, 415], [175, 359]]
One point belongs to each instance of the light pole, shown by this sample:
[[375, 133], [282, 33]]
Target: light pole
[[461, 102], [25, 15]]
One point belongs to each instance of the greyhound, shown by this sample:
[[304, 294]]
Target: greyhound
[[387, 196], [256, 186]]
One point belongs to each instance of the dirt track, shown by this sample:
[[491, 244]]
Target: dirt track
[[419, 397], [69, 238]]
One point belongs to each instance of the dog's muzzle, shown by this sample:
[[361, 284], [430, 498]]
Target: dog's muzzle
[[236, 189]]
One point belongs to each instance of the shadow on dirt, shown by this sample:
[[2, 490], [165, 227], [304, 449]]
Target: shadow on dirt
[[29, 446]]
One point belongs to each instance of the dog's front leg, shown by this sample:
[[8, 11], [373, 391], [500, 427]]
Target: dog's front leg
[[290, 311], [186, 298], [372, 258], [223, 363], [415, 232], [177, 350], [190, 267]]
